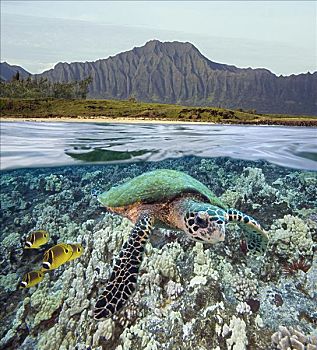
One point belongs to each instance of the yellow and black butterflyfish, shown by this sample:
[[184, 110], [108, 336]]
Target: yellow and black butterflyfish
[[36, 239], [78, 249], [56, 256], [31, 279]]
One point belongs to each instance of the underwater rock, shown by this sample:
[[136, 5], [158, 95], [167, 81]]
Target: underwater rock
[[163, 261], [250, 191], [297, 309], [310, 283]]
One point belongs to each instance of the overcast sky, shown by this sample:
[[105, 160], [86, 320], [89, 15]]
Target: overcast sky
[[278, 35]]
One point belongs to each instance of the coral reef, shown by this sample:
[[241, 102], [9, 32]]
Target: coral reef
[[291, 238], [291, 338], [190, 295], [8, 282], [243, 286], [251, 192], [53, 183], [238, 339]]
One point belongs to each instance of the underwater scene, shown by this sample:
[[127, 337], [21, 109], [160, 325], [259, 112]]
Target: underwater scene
[[158, 239]]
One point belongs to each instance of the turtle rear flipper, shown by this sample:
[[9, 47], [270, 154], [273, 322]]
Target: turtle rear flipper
[[123, 279], [255, 235]]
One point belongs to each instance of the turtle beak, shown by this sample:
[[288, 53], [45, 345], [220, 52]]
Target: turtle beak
[[221, 233], [216, 232]]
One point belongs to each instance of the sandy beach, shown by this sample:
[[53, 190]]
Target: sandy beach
[[310, 123], [100, 120]]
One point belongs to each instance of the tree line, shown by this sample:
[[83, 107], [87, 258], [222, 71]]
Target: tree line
[[33, 87]]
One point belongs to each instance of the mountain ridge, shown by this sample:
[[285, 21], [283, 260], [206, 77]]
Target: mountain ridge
[[178, 73], [7, 71], [177, 42]]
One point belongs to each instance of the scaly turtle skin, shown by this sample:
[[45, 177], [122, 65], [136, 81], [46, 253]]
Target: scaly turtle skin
[[168, 199]]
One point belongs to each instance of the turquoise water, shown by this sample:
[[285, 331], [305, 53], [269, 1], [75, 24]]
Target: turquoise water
[[189, 295]]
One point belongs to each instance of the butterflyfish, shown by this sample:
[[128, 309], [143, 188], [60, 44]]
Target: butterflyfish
[[30, 279], [56, 256], [36, 239], [77, 251]]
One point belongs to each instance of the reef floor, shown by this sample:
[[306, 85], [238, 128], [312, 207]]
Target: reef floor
[[190, 295]]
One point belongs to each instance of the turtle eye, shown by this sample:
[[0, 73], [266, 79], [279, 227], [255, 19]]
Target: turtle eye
[[201, 220]]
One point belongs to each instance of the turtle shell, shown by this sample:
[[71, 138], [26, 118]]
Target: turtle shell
[[156, 187]]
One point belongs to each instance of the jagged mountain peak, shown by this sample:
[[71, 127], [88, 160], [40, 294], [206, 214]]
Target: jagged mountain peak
[[174, 51], [7, 71], [177, 72], [169, 46]]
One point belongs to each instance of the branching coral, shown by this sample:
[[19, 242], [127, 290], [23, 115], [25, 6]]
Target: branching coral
[[53, 183], [291, 238], [238, 339], [292, 339], [245, 286], [250, 189]]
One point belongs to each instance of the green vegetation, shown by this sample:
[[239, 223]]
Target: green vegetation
[[111, 109], [43, 88]]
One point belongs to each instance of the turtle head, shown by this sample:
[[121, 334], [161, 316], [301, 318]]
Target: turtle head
[[204, 222]]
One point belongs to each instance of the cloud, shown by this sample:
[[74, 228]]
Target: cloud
[[35, 43]]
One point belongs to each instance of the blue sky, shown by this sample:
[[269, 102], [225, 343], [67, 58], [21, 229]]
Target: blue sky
[[277, 35]]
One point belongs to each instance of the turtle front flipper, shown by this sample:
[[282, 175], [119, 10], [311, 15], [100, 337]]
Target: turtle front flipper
[[123, 279], [256, 237]]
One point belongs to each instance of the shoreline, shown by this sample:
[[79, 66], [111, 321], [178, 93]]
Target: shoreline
[[101, 120], [128, 120], [122, 111]]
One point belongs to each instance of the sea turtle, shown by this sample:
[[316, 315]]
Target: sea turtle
[[169, 199]]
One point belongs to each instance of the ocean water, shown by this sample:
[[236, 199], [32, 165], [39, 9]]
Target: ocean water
[[189, 295], [36, 144]]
